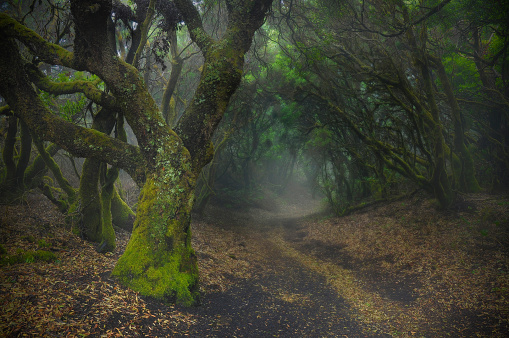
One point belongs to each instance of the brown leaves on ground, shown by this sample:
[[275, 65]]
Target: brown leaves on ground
[[403, 268], [417, 269], [72, 296]]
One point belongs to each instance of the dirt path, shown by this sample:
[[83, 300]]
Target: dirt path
[[303, 282], [285, 299], [282, 297]]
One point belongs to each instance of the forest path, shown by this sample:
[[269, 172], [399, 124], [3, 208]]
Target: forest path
[[282, 297], [270, 293], [396, 269], [363, 275]]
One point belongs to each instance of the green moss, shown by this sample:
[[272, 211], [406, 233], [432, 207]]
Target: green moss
[[2, 250], [89, 209], [159, 261], [29, 257], [164, 281], [108, 234], [122, 215], [43, 244]]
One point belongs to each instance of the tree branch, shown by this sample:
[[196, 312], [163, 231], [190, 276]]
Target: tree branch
[[61, 88], [46, 51], [144, 32], [194, 24], [24, 101]]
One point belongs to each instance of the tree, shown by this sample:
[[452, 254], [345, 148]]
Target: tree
[[377, 71], [158, 260]]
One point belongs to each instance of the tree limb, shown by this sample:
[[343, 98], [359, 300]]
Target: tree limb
[[60, 88], [24, 101], [46, 51], [194, 24]]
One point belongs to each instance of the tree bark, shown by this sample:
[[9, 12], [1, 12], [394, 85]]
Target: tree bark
[[465, 172]]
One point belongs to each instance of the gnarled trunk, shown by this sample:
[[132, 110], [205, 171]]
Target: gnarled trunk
[[159, 261]]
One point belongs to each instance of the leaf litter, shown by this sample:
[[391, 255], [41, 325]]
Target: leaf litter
[[402, 268]]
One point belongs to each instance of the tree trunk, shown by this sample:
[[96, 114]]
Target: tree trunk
[[497, 137], [88, 208], [439, 180], [159, 261], [464, 172], [122, 215], [108, 178]]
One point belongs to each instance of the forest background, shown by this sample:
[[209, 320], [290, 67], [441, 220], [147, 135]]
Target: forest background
[[362, 100]]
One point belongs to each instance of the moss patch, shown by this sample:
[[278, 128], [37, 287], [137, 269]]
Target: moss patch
[[159, 261], [29, 257]]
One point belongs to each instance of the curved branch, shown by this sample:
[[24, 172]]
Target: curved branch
[[46, 51], [53, 166], [6, 111], [60, 88], [194, 24], [144, 32], [24, 101]]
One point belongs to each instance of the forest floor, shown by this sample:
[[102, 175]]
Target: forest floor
[[278, 268]]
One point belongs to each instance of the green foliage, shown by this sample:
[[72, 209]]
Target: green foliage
[[466, 77], [67, 106]]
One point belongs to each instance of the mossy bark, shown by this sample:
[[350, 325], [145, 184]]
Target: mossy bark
[[24, 157], [496, 137], [88, 211], [94, 210], [17, 90], [53, 166], [122, 215], [12, 185], [440, 182], [8, 184], [159, 261], [169, 112], [108, 178], [37, 168]]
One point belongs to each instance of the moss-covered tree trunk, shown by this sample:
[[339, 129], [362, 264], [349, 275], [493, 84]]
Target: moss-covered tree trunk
[[88, 207], [439, 180], [15, 159], [496, 138], [8, 184], [159, 260], [177, 63], [122, 215], [108, 178], [87, 214]]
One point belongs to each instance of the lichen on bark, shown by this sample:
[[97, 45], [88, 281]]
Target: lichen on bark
[[159, 261]]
